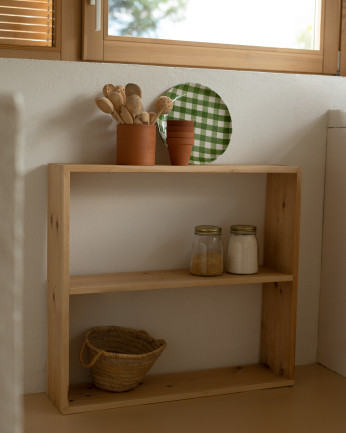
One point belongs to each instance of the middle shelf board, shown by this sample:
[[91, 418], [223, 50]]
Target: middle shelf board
[[167, 279]]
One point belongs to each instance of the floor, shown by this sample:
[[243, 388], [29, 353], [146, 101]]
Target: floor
[[316, 404]]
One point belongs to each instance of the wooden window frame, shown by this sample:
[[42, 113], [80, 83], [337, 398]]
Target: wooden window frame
[[67, 36], [75, 40], [343, 39], [32, 52], [98, 46]]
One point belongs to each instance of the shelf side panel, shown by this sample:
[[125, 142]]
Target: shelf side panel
[[281, 249], [58, 285]]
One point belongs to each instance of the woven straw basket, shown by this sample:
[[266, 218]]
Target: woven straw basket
[[119, 358]]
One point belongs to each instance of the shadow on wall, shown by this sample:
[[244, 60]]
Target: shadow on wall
[[304, 142], [34, 296], [78, 129], [81, 131], [309, 151], [11, 263]]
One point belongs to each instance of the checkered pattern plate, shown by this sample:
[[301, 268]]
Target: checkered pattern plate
[[213, 123]]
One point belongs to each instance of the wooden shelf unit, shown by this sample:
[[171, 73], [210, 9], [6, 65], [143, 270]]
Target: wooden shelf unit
[[278, 277]]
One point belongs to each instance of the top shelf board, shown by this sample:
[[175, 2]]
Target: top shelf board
[[210, 168]]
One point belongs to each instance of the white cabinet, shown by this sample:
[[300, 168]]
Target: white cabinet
[[332, 322]]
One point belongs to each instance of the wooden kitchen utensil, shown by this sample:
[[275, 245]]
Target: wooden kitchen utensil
[[121, 89], [116, 99], [134, 105], [145, 118], [163, 105], [133, 89], [108, 89], [126, 115], [107, 107]]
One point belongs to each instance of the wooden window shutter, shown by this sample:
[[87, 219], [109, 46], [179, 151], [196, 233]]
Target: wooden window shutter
[[27, 23]]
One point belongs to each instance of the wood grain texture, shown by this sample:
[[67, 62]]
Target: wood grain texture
[[278, 328], [58, 285], [281, 250], [331, 35], [98, 46], [316, 404], [343, 40], [279, 290], [209, 168], [168, 279], [71, 30], [212, 56], [178, 386], [92, 41], [28, 53], [282, 222], [40, 53]]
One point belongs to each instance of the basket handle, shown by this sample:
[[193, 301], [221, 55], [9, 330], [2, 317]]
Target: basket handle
[[91, 363]]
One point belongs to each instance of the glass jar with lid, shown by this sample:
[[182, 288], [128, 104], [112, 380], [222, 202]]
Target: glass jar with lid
[[242, 252], [207, 251]]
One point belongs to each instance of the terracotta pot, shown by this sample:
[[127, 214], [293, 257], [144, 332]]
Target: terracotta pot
[[179, 129], [180, 134], [179, 140], [186, 123], [136, 144], [179, 154]]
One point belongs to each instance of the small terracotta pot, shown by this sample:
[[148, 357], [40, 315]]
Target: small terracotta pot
[[180, 134], [136, 144], [186, 123], [179, 140], [179, 129], [179, 154]]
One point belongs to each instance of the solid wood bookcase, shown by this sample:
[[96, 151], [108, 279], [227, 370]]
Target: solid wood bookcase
[[278, 276]]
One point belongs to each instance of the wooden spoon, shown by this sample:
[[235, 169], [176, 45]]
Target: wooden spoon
[[152, 116], [121, 89], [145, 118], [106, 106], [163, 105], [108, 89], [117, 100], [133, 89], [126, 115], [134, 105]]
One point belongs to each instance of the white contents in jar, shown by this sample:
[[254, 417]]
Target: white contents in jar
[[242, 253]]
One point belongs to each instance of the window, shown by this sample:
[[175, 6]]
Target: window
[[29, 23], [270, 23], [144, 32], [20, 20]]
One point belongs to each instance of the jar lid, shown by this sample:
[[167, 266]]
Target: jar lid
[[205, 230], [243, 229]]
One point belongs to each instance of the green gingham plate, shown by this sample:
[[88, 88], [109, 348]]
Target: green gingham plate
[[213, 123]]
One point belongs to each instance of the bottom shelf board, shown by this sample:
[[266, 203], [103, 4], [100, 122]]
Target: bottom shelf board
[[177, 386]]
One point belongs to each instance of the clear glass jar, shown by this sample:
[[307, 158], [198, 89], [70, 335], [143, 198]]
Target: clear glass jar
[[242, 252], [207, 252]]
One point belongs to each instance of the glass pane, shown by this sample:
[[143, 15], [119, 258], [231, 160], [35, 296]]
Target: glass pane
[[268, 23]]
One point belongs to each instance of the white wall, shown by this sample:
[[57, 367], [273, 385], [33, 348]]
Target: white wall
[[11, 263], [277, 118]]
